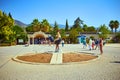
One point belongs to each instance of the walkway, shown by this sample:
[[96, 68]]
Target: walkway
[[56, 58]]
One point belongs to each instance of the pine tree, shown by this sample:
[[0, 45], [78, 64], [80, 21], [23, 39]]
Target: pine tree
[[56, 28], [77, 23], [10, 15]]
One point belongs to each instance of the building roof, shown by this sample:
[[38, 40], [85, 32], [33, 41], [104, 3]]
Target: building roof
[[39, 34]]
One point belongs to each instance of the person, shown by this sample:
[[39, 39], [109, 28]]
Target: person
[[93, 43], [51, 40], [96, 44], [90, 44], [101, 46], [57, 41], [62, 42], [84, 43]]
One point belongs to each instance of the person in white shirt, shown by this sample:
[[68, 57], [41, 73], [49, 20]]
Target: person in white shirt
[[90, 44]]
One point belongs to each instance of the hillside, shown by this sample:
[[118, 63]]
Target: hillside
[[19, 23]]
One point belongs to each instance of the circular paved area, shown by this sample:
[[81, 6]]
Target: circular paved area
[[107, 67], [47, 57]]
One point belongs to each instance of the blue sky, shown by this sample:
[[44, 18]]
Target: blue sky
[[92, 12]]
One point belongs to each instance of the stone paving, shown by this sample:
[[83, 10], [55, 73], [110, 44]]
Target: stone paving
[[56, 58], [107, 67]]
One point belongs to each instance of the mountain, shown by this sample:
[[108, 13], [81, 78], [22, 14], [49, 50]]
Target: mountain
[[19, 23], [60, 25]]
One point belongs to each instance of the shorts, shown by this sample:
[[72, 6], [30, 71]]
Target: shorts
[[58, 41]]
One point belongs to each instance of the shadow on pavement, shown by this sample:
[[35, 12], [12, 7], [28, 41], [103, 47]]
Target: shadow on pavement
[[115, 62]]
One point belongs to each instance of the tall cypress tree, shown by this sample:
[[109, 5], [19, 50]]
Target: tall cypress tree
[[66, 26], [10, 15], [55, 29], [56, 26]]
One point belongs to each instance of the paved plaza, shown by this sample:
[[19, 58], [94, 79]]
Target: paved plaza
[[106, 67]]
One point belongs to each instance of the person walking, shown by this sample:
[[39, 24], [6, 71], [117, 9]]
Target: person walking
[[51, 40], [62, 42], [57, 41], [96, 44], [93, 44], [90, 44], [84, 43], [101, 46]]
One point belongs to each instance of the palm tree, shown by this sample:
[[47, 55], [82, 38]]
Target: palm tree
[[45, 26], [111, 25], [35, 25], [116, 25]]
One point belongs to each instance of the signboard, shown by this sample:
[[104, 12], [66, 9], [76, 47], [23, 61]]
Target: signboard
[[20, 41]]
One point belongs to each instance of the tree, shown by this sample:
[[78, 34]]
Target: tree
[[55, 29], [111, 25], [29, 28], [114, 24], [62, 32], [85, 28], [73, 35], [36, 25], [6, 24], [79, 29], [66, 26], [10, 15], [77, 23], [45, 26], [20, 33], [91, 29], [104, 31]]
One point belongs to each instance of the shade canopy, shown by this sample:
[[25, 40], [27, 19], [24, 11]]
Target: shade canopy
[[39, 35]]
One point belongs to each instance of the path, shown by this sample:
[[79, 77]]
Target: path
[[56, 58]]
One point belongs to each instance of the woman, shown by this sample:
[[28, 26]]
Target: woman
[[57, 41], [101, 46]]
